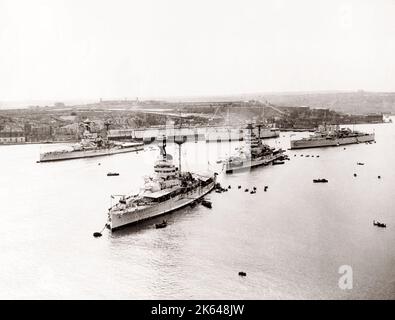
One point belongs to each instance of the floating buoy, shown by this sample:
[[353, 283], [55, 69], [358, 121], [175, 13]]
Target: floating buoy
[[242, 274], [379, 177], [355, 174], [229, 187], [97, 234], [239, 187], [246, 190], [99, 164]]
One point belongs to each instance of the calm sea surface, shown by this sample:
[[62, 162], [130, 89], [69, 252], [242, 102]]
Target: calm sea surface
[[290, 240]]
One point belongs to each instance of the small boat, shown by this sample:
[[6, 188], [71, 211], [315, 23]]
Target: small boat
[[320, 180], [242, 274], [379, 177], [161, 225], [355, 174], [252, 191], [275, 162], [360, 163], [112, 174], [246, 190], [239, 187], [206, 203], [379, 224]]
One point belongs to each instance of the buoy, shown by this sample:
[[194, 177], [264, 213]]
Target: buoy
[[99, 234], [229, 187], [99, 164], [242, 274], [239, 187], [379, 177], [355, 174], [246, 190]]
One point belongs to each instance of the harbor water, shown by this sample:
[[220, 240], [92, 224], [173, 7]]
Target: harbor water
[[290, 240]]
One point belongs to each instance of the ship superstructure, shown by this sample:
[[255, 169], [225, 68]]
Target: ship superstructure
[[91, 145], [327, 136], [254, 153], [169, 189]]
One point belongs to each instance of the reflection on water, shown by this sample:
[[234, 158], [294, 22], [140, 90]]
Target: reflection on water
[[290, 240]]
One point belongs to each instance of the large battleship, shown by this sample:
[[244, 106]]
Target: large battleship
[[169, 189], [253, 154], [225, 134], [91, 145], [327, 136]]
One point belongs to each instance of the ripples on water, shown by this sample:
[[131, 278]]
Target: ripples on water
[[290, 240]]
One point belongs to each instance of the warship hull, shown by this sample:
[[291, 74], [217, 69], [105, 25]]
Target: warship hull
[[317, 143], [70, 155], [119, 219], [249, 164]]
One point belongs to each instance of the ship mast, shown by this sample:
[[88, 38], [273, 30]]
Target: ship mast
[[179, 139]]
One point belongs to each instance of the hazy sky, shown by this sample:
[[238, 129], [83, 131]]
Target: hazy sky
[[53, 49]]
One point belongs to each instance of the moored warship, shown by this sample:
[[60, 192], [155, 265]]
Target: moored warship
[[327, 136], [91, 145], [253, 154], [238, 134], [169, 189]]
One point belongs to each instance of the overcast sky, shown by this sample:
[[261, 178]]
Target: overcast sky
[[87, 49]]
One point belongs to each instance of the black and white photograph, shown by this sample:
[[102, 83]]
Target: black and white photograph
[[220, 150]]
